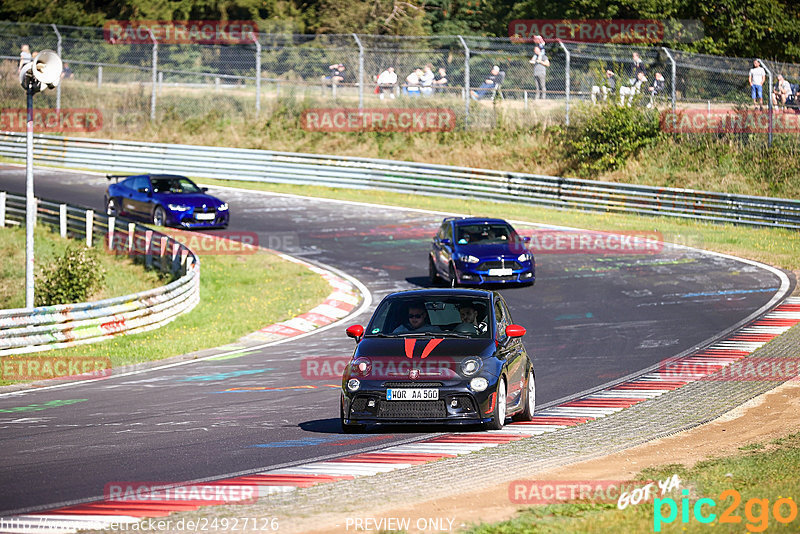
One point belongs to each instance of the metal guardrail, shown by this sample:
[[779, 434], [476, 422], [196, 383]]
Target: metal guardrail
[[51, 327], [405, 177]]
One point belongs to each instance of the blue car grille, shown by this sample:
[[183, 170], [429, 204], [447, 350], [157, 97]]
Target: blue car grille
[[496, 264]]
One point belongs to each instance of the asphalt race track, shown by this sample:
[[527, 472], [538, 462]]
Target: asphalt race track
[[590, 318]]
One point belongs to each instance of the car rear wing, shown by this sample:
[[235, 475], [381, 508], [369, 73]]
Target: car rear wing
[[116, 177]]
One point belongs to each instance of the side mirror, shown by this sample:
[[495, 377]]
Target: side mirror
[[356, 332], [204, 189], [144, 189], [445, 241], [515, 330], [526, 239]]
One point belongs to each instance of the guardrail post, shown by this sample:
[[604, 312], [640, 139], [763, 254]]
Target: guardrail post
[[112, 223], [89, 227], [566, 80], [2, 209], [163, 254], [62, 220], [148, 240], [360, 72], [184, 264], [467, 96], [131, 235], [176, 258]]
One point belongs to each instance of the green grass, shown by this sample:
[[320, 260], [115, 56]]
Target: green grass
[[772, 473], [123, 276], [774, 246]]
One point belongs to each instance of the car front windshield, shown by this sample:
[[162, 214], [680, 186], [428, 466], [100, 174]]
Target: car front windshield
[[485, 234], [435, 316], [174, 184]]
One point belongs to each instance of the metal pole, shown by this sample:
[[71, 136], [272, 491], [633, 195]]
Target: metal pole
[[674, 78], [768, 92], [58, 51], [467, 96], [30, 202], [360, 72], [566, 78], [154, 75], [258, 72]]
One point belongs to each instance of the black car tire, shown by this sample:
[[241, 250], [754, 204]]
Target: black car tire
[[349, 428], [453, 279], [499, 411], [159, 216], [433, 274], [530, 399], [111, 207]]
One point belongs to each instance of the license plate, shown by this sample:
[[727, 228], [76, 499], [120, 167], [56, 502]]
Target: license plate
[[501, 272], [406, 394], [204, 216]]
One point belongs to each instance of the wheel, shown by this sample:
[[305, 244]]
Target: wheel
[[111, 207], [349, 428], [499, 412], [452, 274], [530, 400], [159, 216], [433, 274]]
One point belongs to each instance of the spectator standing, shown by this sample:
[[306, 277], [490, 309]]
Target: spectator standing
[[656, 89], [387, 80], [636, 67], [426, 80], [609, 86], [756, 78], [538, 40], [25, 56], [540, 64], [441, 81], [782, 91]]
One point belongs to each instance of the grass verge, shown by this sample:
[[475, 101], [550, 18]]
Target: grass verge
[[123, 276], [753, 487], [773, 246], [238, 295]]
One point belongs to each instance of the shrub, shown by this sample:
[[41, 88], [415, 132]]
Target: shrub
[[604, 140], [70, 278]]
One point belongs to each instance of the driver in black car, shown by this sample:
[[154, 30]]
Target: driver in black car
[[417, 321], [469, 318]]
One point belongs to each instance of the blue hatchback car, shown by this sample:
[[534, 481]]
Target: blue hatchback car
[[165, 200], [474, 251]]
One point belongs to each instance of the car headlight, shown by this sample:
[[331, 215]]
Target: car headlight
[[353, 384], [470, 366], [478, 383], [525, 256], [178, 207], [223, 207], [467, 258]]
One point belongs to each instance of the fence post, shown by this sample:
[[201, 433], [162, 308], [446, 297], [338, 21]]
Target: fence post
[[131, 235], [112, 223], [360, 72], [258, 72], [99, 76], [674, 79], [160, 80], [148, 241], [2, 209], [89, 227], [467, 96], [58, 87], [768, 94], [62, 220], [566, 79], [154, 76]]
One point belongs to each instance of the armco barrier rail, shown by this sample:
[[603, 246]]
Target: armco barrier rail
[[50, 327], [406, 177]]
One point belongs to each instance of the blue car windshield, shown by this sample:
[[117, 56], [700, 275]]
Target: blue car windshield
[[174, 184], [436, 316], [485, 234]]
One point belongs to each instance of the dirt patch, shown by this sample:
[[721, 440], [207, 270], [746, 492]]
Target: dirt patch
[[769, 416]]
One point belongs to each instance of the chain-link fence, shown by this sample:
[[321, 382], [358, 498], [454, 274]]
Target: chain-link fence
[[133, 84]]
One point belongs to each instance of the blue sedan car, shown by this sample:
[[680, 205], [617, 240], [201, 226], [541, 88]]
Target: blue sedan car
[[165, 200], [475, 251]]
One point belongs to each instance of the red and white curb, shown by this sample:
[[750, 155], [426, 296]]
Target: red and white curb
[[736, 346]]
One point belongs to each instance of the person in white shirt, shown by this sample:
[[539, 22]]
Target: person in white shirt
[[630, 90], [781, 92], [426, 80], [756, 79], [412, 83], [386, 82]]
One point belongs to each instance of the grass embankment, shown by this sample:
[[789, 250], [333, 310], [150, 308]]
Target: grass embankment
[[768, 473], [238, 295], [123, 276]]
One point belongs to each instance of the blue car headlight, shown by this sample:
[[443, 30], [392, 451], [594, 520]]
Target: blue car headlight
[[223, 207], [525, 256], [178, 207], [466, 258]]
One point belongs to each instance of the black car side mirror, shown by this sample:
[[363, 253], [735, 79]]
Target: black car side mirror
[[445, 241], [204, 189]]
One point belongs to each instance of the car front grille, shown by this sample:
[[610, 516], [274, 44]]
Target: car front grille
[[485, 266], [413, 384], [412, 410]]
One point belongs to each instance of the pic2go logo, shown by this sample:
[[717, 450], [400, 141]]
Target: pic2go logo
[[756, 511]]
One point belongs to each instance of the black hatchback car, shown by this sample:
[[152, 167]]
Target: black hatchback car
[[438, 356]]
